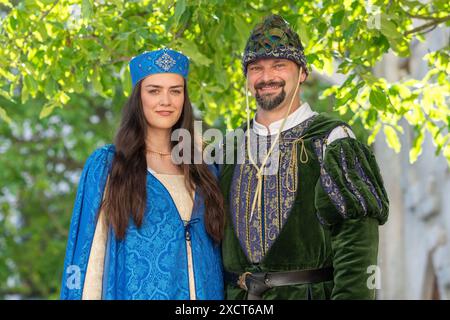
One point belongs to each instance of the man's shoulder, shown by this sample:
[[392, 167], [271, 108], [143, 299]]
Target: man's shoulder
[[323, 124]]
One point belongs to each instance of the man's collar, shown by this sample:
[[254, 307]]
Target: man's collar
[[303, 113]]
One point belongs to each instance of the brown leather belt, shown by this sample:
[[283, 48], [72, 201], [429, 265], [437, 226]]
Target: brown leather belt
[[257, 283]]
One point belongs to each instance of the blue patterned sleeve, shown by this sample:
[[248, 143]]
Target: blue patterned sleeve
[[84, 219]]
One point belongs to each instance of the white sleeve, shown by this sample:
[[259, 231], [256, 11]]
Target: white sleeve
[[93, 283], [338, 133]]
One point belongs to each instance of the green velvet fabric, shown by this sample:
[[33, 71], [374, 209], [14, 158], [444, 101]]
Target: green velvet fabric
[[350, 245], [352, 152]]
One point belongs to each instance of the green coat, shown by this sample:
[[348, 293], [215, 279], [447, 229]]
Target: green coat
[[321, 230]]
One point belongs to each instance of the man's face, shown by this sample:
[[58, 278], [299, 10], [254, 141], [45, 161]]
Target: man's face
[[272, 81]]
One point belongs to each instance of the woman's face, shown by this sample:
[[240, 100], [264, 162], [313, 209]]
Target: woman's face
[[162, 98]]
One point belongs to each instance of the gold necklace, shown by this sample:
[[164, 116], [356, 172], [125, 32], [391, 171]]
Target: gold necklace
[[162, 154]]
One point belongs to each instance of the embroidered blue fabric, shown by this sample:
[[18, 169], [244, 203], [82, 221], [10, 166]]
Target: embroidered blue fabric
[[151, 261]]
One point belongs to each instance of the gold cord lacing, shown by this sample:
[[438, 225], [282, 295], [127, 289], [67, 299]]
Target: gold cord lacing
[[293, 168], [259, 169]]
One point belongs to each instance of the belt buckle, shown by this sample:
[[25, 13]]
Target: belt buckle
[[241, 282]]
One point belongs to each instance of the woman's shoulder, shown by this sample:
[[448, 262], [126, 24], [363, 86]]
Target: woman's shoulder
[[101, 156], [105, 150]]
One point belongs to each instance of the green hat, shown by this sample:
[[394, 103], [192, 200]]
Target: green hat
[[273, 38]]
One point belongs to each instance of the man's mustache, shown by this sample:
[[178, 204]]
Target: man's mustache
[[263, 84]]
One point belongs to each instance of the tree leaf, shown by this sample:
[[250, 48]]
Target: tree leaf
[[416, 149], [47, 109], [378, 98], [337, 17], [96, 82], [191, 50], [63, 97], [180, 7], [87, 8], [374, 133], [389, 28], [51, 87], [4, 116], [350, 30], [392, 138], [372, 117], [242, 29]]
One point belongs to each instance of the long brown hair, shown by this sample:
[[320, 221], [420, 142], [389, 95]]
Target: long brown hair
[[125, 195]]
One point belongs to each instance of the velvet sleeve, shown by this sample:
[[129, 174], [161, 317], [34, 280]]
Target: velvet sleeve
[[352, 202]]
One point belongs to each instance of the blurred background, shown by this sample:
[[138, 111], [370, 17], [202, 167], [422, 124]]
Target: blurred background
[[383, 66]]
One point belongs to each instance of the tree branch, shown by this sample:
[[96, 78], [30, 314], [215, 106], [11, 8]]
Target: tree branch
[[417, 16], [120, 59], [432, 24]]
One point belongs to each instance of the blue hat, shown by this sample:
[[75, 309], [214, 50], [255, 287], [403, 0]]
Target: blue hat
[[159, 61]]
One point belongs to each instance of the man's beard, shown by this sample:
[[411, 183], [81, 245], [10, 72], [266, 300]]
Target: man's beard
[[267, 102]]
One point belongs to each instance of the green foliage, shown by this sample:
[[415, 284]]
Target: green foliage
[[64, 77], [55, 48]]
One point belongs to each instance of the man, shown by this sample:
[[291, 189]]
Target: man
[[307, 229]]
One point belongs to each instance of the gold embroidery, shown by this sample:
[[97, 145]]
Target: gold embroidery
[[247, 218], [259, 216], [278, 196], [237, 196], [293, 165]]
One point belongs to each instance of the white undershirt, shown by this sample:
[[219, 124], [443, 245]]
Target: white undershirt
[[304, 112]]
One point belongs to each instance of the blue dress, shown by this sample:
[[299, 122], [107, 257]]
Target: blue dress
[[151, 261]]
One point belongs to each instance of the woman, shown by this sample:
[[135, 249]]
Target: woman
[[142, 226]]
